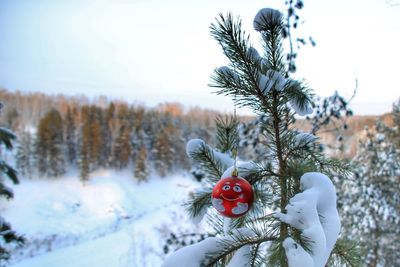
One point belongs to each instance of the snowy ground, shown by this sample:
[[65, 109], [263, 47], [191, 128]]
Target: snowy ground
[[110, 221]]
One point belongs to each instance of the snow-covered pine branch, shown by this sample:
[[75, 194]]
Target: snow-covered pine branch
[[314, 213]]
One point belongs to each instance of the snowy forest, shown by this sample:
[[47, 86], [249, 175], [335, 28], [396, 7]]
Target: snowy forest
[[302, 182], [58, 134]]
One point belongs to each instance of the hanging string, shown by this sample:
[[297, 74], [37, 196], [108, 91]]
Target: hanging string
[[235, 172]]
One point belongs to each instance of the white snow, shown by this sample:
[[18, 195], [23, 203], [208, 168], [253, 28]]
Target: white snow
[[253, 54], [194, 145], [296, 255], [302, 139], [272, 80], [314, 213], [229, 72], [110, 221], [195, 255], [264, 84], [302, 111], [242, 168], [225, 159], [266, 16], [241, 258], [277, 79]]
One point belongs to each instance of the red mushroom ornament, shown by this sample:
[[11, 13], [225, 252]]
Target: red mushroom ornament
[[232, 196]]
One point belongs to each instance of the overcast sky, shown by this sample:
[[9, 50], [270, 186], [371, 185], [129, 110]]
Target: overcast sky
[[153, 51]]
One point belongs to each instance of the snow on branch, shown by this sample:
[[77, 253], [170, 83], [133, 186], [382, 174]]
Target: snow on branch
[[211, 249], [314, 213], [265, 18], [198, 146]]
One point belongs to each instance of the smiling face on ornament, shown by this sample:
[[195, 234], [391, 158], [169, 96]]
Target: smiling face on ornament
[[232, 196]]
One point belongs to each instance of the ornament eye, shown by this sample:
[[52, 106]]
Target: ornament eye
[[237, 188], [226, 187]]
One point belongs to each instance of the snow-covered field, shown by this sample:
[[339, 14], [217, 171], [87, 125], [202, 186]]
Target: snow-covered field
[[110, 221]]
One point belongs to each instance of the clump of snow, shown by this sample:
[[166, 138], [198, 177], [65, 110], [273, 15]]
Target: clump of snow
[[242, 168], [264, 84], [380, 137], [229, 72], [196, 255], [272, 80], [302, 111], [241, 258], [314, 213], [193, 146], [266, 17], [193, 255], [253, 54], [277, 79], [296, 255], [224, 158], [302, 139]]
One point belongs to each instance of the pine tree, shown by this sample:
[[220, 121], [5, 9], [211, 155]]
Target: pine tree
[[163, 153], [84, 149], [70, 136], [371, 200], [122, 148], [141, 168], [110, 130], [291, 160], [99, 148], [7, 235], [50, 145], [24, 162], [84, 165]]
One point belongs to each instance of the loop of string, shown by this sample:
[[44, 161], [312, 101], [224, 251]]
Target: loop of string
[[235, 172]]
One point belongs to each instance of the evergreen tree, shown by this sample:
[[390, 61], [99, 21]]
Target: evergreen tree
[[84, 165], [163, 152], [7, 235], [141, 168], [262, 237], [109, 135], [50, 145], [70, 136], [84, 161], [23, 156], [122, 148], [371, 200], [96, 140]]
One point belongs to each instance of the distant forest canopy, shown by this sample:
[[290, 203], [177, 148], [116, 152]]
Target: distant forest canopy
[[58, 132]]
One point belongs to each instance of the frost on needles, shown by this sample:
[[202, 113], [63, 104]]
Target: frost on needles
[[293, 221]]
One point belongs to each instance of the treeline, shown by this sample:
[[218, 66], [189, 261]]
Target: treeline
[[57, 133]]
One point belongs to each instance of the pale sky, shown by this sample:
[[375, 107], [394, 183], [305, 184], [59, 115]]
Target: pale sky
[[154, 51]]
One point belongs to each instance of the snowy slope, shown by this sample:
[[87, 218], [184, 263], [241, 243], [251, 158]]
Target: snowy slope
[[110, 221]]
